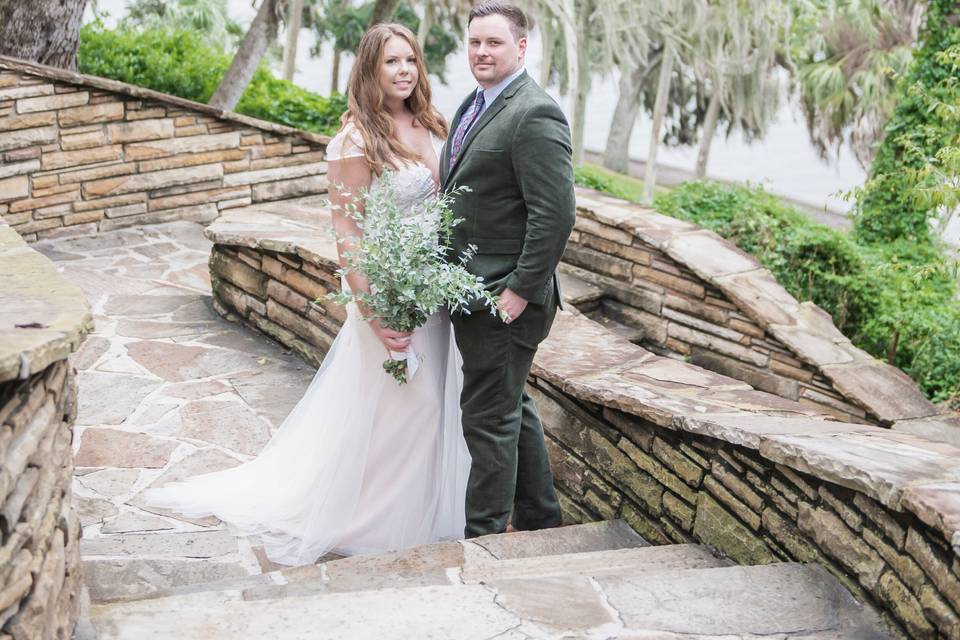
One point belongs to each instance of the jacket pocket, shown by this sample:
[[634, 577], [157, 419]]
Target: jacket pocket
[[498, 245]]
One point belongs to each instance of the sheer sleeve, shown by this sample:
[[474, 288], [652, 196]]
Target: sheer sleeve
[[348, 143]]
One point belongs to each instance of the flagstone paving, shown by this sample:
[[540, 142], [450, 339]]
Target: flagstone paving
[[168, 389]]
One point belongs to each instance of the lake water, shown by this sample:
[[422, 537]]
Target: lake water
[[785, 161]]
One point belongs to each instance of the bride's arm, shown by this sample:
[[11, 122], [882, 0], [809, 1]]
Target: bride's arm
[[348, 177]]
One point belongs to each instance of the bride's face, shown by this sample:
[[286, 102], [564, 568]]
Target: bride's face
[[398, 70]]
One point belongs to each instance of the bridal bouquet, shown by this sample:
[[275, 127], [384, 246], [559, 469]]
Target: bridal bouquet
[[402, 254]]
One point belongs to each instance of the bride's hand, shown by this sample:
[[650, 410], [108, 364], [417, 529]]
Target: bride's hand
[[393, 340]]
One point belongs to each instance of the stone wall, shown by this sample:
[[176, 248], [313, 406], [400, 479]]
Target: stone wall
[[40, 554], [879, 510], [42, 319], [277, 285], [684, 292], [681, 453], [80, 154]]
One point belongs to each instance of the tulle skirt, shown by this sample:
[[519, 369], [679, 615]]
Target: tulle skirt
[[361, 465]]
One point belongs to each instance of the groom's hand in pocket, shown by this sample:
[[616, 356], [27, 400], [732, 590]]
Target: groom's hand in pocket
[[511, 305]]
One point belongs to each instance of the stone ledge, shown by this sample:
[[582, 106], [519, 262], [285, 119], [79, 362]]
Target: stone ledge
[[588, 362], [883, 391], [301, 227], [43, 71], [43, 318]]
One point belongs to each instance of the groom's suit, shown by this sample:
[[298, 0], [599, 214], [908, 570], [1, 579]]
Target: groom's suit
[[516, 160]]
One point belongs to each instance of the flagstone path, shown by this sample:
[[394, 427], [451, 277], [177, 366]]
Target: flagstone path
[[168, 389]]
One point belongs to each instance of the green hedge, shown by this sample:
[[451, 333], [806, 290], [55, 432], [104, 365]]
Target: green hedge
[[892, 206], [179, 63], [877, 296]]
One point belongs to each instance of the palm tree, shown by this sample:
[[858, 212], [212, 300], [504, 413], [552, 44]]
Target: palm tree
[[591, 33], [294, 19], [678, 22], [849, 62], [383, 10], [450, 12], [563, 13], [736, 58], [210, 18]]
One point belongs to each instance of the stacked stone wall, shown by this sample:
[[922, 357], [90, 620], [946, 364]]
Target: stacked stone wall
[[39, 529], [667, 308], [279, 294], [674, 486], [80, 155], [43, 318], [662, 305], [687, 293]]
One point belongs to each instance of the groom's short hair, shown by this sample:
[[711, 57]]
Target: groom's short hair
[[514, 15]]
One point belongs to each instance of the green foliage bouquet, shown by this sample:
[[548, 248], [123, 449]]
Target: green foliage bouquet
[[403, 255]]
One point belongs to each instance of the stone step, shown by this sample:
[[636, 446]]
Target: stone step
[[625, 331], [577, 292], [596, 563], [593, 536], [418, 566], [476, 569], [781, 600]]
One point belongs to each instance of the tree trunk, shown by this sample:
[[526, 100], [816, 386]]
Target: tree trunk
[[709, 128], [335, 75], [429, 11], [383, 11], [582, 87], [262, 31], [616, 155], [294, 18], [44, 31], [567, 17], [659, 111], [547, 38]]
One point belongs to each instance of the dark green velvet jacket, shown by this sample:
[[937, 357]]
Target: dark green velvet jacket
[[520, 210]]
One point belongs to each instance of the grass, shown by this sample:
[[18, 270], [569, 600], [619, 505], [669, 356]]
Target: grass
[[617, 184]]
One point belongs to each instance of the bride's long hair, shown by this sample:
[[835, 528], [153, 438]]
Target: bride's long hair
[[365, 103]]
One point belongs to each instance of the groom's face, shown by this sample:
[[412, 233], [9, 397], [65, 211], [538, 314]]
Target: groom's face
[[494, 51]]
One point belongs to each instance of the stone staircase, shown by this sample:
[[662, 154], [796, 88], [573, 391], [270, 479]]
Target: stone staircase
[[598, 580]]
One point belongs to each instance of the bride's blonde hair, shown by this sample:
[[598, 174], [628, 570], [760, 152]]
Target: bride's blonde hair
[[365, 103]]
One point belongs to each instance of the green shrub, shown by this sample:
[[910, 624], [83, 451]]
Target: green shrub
[[179, 63], [895, 301], [923, 134], [810, 260]]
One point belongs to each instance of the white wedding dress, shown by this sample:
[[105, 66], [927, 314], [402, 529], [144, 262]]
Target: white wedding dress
[[362, 464]]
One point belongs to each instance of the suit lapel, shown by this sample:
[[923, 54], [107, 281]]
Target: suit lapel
[[484, 120]]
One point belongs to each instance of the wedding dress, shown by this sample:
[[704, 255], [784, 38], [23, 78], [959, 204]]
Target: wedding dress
[[361, 464]]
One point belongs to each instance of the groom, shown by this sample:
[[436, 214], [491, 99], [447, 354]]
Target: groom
[[510, 144]]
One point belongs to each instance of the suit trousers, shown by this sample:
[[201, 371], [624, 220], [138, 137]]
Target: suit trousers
[[510, 470]]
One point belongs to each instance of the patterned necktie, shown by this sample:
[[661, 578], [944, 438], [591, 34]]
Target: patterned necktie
[[465, 123]]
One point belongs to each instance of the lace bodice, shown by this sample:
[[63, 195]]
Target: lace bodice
[[412, 183]]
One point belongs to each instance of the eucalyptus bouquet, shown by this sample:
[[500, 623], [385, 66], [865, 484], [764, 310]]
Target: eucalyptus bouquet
[[403, 253]]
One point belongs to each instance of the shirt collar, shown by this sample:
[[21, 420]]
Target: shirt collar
[[491, 94]]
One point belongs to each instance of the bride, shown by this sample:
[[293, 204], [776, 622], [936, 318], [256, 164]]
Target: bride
[[361, 464]]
